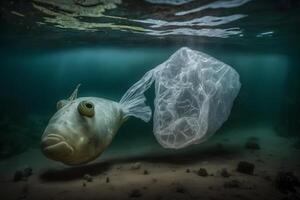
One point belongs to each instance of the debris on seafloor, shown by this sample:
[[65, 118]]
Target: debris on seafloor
[[88, 178], [245, 167], [22, 174], [225, 173], [202, 172]]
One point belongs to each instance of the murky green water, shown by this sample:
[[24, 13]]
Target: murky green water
[[41, 64]]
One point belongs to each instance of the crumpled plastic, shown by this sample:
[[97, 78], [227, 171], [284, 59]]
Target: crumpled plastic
[[194, 94]]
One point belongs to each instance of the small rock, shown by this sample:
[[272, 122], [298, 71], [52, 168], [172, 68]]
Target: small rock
[[154, 180], [286, 182], [232, 184], [245, 167], [136, 165], [202, 172], [23, 174], [146, 172], [225, 173], [88, 178], [135, 193], [187, 170]]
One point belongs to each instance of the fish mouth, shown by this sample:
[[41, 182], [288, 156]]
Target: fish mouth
[[55, 147]]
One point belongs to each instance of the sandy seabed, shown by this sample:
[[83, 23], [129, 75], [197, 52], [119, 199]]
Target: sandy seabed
[[154, 173]]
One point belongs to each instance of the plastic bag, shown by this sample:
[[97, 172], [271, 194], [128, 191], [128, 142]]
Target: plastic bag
[[194, 94]]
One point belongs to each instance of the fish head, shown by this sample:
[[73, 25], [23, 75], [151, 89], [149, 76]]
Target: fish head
[[71, 135]]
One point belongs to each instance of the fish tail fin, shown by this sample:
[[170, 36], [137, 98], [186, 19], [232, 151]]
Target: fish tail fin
[[133, 101]]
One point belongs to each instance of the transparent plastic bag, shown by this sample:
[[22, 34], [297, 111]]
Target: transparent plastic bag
[[194, 94]]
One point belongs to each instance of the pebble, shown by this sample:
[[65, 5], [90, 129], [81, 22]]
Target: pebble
[[22, 174], [88, 178], [27, 171], [202, 172], [225, 173]]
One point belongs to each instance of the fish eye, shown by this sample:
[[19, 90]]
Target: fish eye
[[86, 108]]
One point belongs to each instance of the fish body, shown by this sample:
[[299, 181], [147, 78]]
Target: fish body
[[73, 138]]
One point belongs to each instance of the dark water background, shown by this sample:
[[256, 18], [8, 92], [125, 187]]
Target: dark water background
[[41, 65]]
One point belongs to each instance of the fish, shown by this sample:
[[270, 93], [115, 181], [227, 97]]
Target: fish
[[81, 129], [194, 94]]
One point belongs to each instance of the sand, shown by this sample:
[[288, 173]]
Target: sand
[[154, 173]]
